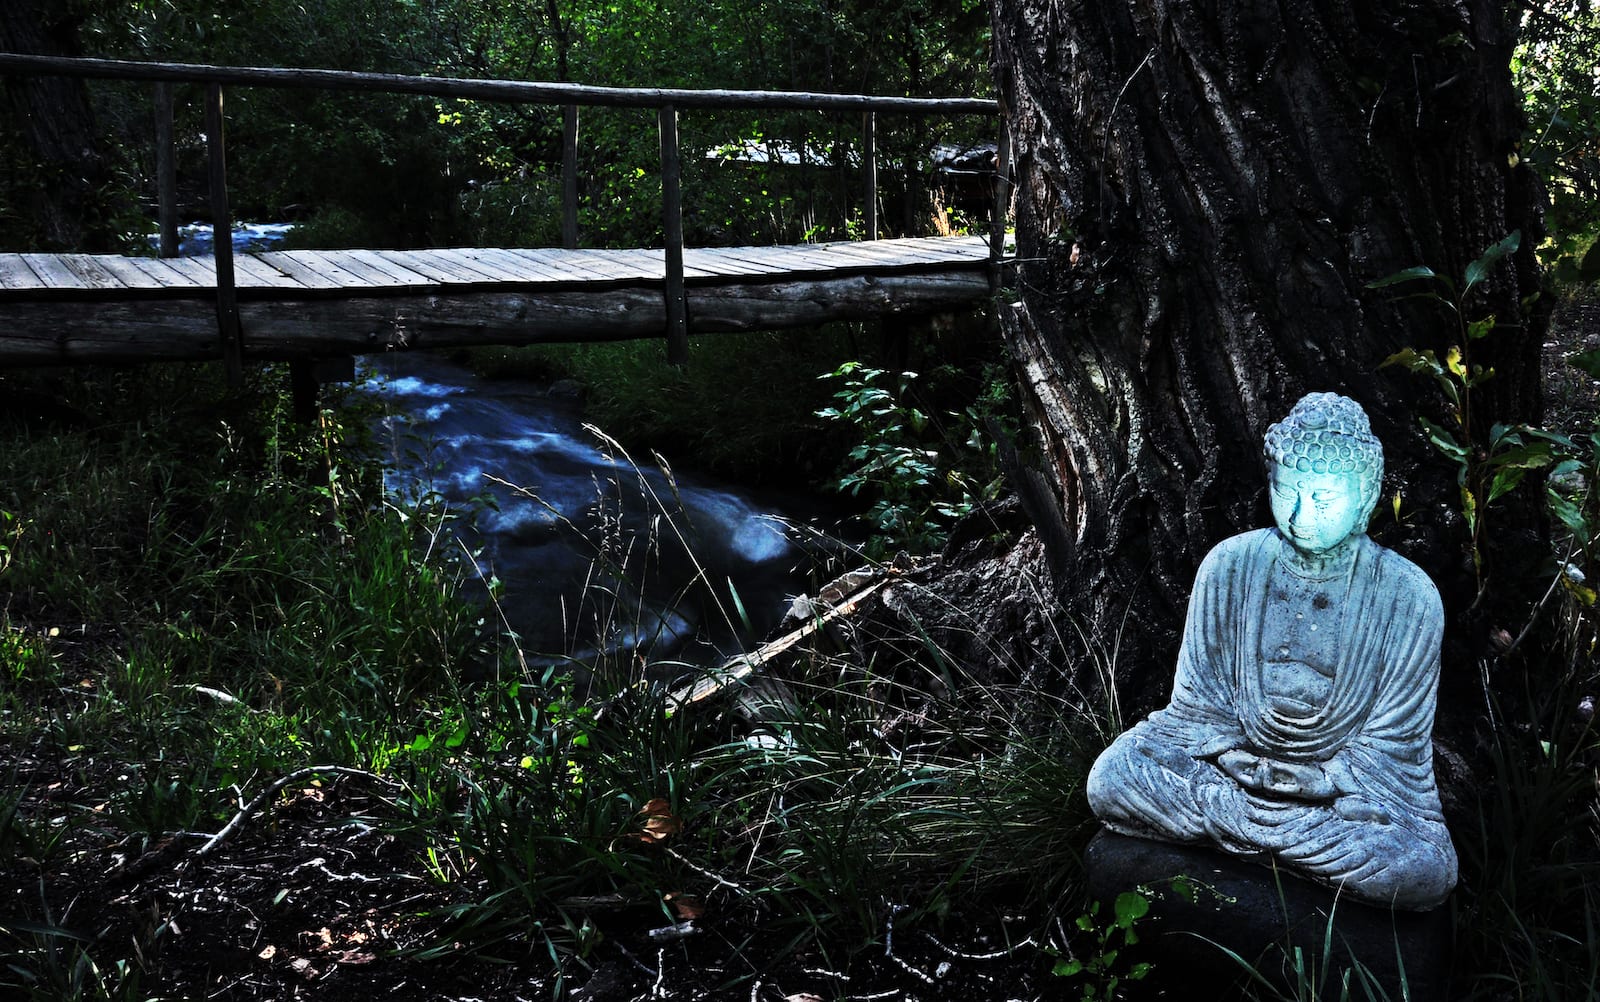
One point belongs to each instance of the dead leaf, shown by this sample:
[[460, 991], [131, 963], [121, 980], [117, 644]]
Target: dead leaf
[[802, 997], [686, 907], [268, 952], [659, 821]]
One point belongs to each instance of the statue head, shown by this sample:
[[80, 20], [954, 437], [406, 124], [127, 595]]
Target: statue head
[[1325, 471]]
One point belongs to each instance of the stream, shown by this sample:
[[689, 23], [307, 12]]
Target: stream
[[581, 554], [594, 556]]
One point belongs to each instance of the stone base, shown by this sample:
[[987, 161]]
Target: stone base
[[1264, 915]]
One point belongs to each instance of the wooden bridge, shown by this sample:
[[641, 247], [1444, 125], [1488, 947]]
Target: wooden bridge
[[62, 308], [300, 305]]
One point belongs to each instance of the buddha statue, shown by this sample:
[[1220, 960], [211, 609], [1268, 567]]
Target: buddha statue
[[1300, 727]]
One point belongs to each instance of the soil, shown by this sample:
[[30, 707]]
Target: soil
[[320, 898]]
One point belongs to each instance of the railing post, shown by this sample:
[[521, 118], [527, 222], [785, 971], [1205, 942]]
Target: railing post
[[869, 165], [672, 225], [569, 176], [222, 241], [166, 173], [1002, 202]]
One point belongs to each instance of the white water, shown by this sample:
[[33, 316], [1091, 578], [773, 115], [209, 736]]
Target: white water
[[595, 554]]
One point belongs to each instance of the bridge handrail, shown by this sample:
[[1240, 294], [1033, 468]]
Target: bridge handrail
[[570, 96], [517, 91]]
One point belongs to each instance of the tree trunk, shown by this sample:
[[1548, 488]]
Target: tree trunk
[[55, 121], [1203, 192]]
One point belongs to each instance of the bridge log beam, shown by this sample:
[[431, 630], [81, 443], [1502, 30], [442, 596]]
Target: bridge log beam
[[53, 332]]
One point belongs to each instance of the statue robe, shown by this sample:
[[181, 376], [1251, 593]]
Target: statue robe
[[1382, 837]]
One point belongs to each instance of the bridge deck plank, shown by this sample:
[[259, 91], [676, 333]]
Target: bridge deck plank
[[187, 273], [129, 272], [90, 271], [54, 272], [250, 272], [15, 273], [355, 272], [402, 274], [436, 271], [466, 261], [302, 269]]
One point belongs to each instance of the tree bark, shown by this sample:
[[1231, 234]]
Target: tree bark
[[1203, 192], [56, 123]]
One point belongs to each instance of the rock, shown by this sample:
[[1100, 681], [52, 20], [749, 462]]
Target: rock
[[1263, 916]]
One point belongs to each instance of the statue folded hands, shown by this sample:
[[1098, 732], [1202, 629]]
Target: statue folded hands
[[1300, 726]]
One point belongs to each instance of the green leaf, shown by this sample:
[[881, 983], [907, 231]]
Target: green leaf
[[1568, 515], [1131, 906], [1524, 457], [1452, 361], [1415, 361], [458, 737], [1067, 968], [1138, 971], [1481, 328], [1506, 481], [1408, 275], [1479, 270], [1444, 441]]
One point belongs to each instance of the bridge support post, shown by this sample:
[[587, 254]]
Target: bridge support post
[[869, 167], [1002, 202], [672, 225], [569, 176], [222, 241], [166, 172]]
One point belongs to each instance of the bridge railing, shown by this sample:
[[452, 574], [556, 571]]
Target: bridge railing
[[668, 103]]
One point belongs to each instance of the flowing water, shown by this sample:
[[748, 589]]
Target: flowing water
[[597, 555], [580, 552]]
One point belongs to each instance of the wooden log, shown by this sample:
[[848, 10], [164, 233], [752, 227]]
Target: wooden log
[[57, 331], [523, 91], [717, 680]]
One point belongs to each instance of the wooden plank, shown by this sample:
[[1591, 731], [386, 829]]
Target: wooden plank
[[254, 273], [719, 262], [302, 271], [330, 264], [420, 263], [334, 262], [188, 272], [404, 275], [504, 261], [93, 274], [466, 260], [544, 267], [130, 274], [52, 272], [602, 264], [15, 273], [757, 260]]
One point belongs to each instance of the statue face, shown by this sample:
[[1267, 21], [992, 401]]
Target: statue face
[[1316, 511]]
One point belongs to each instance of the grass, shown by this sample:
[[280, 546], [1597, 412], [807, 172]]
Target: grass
[[202, 597]]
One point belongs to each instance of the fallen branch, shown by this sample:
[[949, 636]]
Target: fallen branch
[[272, 791], [716, 680]]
